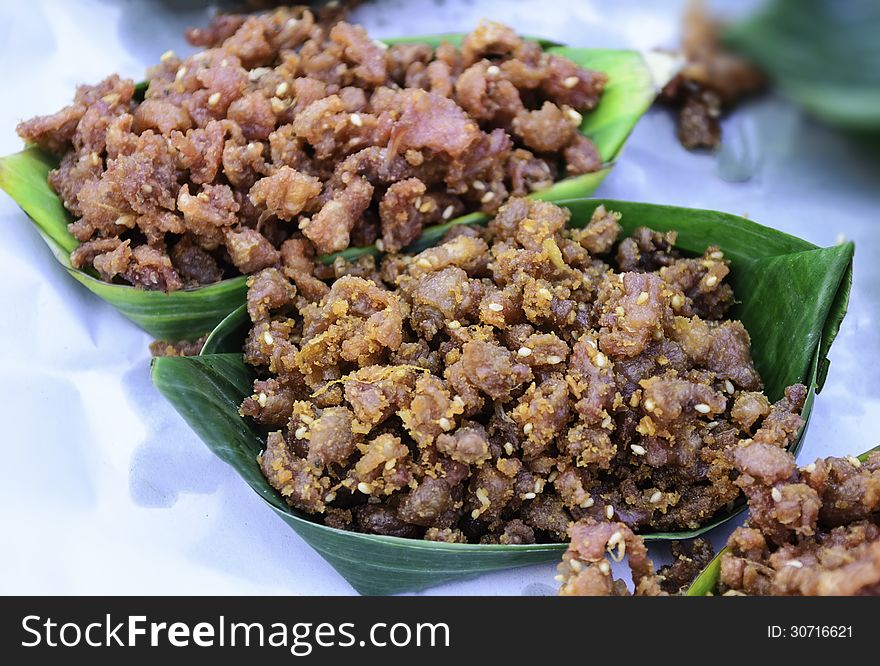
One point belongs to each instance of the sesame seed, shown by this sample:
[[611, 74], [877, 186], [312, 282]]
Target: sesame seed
[[483, 496], [797, 564], [224, 62], [365, 488], [601, 360], [553, 359], [268, 339], [614, 539], [776, 494], [281, 89], [508, 447], [545, 293], [559, 578], [728, 386], [711, 281], [214, 99], [496, 307], [479, 185], [809, 469], [529, 496], [301, 432], [257, 73], [475, 513], [277, 105], [391, 464], [380, 245], [677, 302], [457, 400], [146, 189], [423, 263], [329, 497], [587, 503], [642, 299], [552, 477], [448, 211], [711, 424], [855, 462], [539, 485], [609, 512], [649, 405], [303, 223], [454, 324], [180, 73], [262, 399], [656, 496], [356, 120], [575, 117], [576, 565], [493, 70], [524, 351], [166, 56], [638, 449], [527, 428], [445, 423], [305, 418], [570, 82], [426, 206], [486, 198], [702, 407], [718, 255], [604, 567]]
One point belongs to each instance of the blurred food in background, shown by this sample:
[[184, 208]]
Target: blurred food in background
[[824, 55], [710, 83]]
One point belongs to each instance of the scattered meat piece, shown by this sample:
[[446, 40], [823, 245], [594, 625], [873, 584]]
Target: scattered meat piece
[[250, 251], [585, 571], [179, 348], [286, 192]]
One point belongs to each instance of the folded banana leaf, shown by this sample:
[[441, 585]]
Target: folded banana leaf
[[189, 314], [792, 297], [706, 584], [824, 54]]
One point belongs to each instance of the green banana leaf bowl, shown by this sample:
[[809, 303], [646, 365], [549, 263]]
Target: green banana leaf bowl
[[792, 297], [634, 81]]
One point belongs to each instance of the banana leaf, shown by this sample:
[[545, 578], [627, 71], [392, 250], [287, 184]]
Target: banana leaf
[[792, 298], [706, 584], [189, 314], [824, 54]]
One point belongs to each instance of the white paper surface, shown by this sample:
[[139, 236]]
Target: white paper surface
[[105, 490]]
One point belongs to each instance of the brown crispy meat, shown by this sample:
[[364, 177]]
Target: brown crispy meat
[[812, 531], [507, 382], [295, 128]]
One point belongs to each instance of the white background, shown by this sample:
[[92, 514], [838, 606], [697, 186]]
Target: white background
[[104, 489]]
